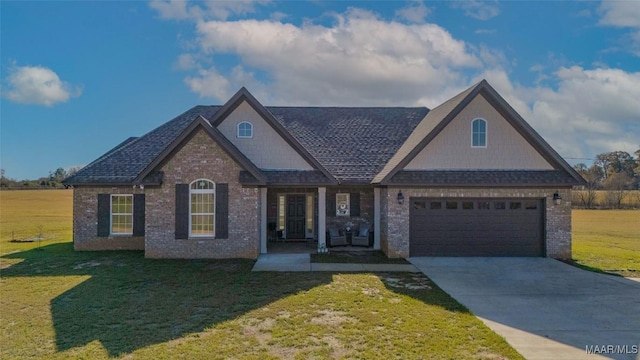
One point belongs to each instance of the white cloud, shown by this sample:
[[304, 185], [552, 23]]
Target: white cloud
[[620, 13], [202, 10], [623, 14], [416, 12], [209, 83], [485, 31], [481, 10], [381, 61], [37, 85]]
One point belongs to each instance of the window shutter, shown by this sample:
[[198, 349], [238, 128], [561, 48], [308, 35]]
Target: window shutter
[[138, 215], [222, 211], [354, 204], [331, 204], [104, 215], [182, 211]]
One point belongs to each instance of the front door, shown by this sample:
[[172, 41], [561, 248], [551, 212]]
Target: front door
[[295, 217]]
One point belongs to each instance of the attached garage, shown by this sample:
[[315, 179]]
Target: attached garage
[[476, 227]]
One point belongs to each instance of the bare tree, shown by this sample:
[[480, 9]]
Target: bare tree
[[593, 177], [617, 184]]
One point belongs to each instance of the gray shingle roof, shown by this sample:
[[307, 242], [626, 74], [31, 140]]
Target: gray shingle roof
[[483, 178], [353, 144], [122, 164]]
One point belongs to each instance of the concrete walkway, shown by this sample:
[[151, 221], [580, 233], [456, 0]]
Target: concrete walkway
[[302, 262], [544, 308]]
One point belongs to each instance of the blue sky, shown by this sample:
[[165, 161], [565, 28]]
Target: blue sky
[[80, 77]]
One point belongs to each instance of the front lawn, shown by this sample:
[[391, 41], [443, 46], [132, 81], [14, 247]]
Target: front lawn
[[57, 303], [607, 240]]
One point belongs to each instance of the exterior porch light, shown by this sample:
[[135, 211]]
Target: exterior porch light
[[400, 197], [557, 199]]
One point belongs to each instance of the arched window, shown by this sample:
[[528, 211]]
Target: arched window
[[202, 212], [479, 133], [245, 130]]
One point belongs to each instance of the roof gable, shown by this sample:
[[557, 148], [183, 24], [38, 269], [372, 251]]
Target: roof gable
[[201, 123], [243, 95], [438, 118], [505, 149], [281, 155]]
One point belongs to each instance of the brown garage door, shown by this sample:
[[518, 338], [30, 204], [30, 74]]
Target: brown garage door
[[476, 227]]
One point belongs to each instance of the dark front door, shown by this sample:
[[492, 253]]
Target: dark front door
[[295, 217]]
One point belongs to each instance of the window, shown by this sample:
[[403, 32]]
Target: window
[[281, 204], [419, 204], [309, 216], [342, 204], [122, 214], [245, 130], [484, 205], [467, 205], [515, 205], [451, 205], [478, 133], [202, 208], [435, 205], [499, 205]]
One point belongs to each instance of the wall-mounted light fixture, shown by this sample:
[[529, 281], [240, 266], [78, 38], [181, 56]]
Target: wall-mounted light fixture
[[557, 199], [400, 197]]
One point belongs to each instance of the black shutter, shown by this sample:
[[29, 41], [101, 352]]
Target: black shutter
[[138, 215], [354, 204], [182, 211], [104, 214], [331, 204], [222, 211]]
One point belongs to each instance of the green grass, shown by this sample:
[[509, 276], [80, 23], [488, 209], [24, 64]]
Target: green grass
[[23, 213], [59, 304], [608, 240], [357, 257]]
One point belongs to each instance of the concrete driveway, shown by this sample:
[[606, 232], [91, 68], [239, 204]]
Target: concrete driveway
[[544, 308]]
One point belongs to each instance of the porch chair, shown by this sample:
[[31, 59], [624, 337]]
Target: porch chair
[[335, 238], [361, 237]]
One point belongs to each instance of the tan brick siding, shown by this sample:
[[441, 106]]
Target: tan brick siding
[[202, 158], [85, 221], [395, 223]]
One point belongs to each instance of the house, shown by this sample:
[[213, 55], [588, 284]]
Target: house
[[467, 178]]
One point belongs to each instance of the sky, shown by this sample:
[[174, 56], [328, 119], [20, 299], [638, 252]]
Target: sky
[[79, 77]]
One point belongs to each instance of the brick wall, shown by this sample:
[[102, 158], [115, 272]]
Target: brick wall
[[395, 223], [202, 158], [85, 221]]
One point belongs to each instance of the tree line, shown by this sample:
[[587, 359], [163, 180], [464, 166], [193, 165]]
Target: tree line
[[616, 171], [53, 181]]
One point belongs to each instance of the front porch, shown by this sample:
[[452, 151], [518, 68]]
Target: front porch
[[302, 219]]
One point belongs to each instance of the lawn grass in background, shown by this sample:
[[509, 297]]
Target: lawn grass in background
[[608, 240], [24, 214]]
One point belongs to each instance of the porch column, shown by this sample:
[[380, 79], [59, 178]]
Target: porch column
[[263, 220], [376, 218], [322, 217]]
